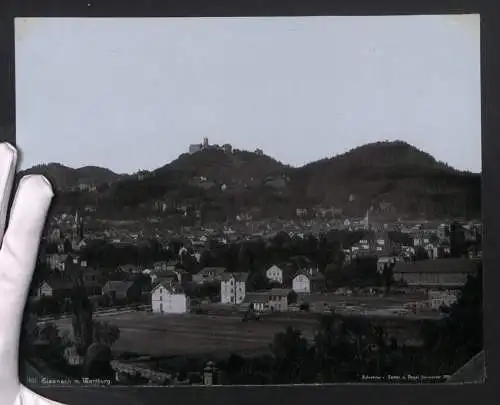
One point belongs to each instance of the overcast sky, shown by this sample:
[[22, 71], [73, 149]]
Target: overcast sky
[[132, 94]]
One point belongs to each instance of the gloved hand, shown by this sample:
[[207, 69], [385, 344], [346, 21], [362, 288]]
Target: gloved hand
[[18, 254]]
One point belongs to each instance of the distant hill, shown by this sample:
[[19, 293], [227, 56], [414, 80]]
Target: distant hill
[[391, 179], [64, 177], [217, 165], [209, 180]]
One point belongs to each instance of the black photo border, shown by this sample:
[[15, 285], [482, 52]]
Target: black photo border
[[346, 393]]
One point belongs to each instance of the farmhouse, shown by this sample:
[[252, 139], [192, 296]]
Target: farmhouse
[[274, 300], [122, 290], [274, 273], [450, 273], [308, 281], [54, 288], [64, 288], [279, 299], [233, 288], [169, 300]]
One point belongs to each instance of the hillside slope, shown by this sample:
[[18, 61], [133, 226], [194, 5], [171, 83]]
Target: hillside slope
[[392, 179], [64, 177]]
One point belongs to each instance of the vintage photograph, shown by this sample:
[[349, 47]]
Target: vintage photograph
[[254, 201]]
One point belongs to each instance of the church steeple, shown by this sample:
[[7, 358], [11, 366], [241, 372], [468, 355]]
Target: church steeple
[[77, 227]]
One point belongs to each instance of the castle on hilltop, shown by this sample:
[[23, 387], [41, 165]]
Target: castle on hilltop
[[197, 147], [227, 147]]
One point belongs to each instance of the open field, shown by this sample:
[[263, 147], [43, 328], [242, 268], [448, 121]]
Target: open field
[[217, 334], [170, 335]]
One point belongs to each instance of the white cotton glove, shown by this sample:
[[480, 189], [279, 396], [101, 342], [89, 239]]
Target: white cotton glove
[[18, 254]]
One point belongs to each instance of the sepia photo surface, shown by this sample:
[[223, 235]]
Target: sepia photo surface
[[254, 201]]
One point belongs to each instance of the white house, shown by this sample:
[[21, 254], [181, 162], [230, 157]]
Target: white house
[[301, 284], [53, 288], [307, 281], [169, 300], [233, 288], [274, 273], [45, 290]]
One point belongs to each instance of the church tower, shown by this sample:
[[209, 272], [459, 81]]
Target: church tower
[[367, 220], [78, 228]]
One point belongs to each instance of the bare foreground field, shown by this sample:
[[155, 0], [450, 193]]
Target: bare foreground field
[[223, 332], [172, 335]]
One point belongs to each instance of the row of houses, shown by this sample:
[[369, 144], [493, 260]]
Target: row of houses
[[441, 278], [168, 280], [233, 290]]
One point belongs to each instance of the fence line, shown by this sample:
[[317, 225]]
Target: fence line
[[99, 312]]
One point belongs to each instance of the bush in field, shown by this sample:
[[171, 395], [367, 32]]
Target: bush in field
[[105, 333], [55, 347]]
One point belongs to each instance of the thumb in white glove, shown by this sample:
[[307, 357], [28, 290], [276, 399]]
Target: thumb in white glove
[[18, 254]]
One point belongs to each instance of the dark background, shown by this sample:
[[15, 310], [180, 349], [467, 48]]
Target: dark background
[[491, 187]]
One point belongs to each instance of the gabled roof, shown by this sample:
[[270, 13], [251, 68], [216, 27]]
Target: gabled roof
[[173, 289], [274, 267], [215, 270], [260, 297], [118, 286], [59, 284], [163, 273], [166, 281], [283, 292], [316, 275], [243, 277], [68, 285], [128, 267], [385, 259]]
